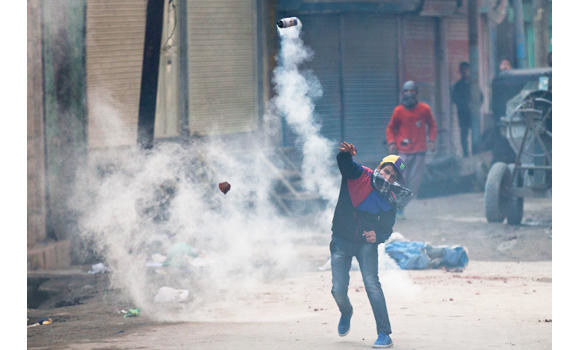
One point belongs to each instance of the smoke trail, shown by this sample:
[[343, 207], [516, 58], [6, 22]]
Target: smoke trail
[[296, 92]]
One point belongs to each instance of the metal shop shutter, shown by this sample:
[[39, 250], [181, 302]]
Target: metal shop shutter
[[370, 82], [114, 55], [457, 44], [321, 34], [222, 59], [419, 56]]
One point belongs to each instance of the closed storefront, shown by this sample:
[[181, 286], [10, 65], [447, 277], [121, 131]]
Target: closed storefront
[[457, 44], [221, 58], [114, 44], [370, 82], [355, 59], [322, 35], [418, 63], [222, 66]]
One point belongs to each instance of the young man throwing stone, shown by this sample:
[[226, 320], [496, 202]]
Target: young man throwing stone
[[363, 218]]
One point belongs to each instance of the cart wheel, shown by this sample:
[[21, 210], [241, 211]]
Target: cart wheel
[[515, 206], [496, 192]]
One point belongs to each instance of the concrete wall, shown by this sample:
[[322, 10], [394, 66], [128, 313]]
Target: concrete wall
[[36, 205], [56, 126]]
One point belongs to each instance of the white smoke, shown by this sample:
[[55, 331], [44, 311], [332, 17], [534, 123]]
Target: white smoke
[[296, 92], [134, 205], [137, 205], [158, 219]]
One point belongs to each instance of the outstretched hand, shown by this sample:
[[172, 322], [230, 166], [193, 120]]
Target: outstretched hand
[[347, 147]]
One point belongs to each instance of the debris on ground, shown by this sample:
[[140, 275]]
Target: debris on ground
[[98, 268], [130, 313], [42, 322], [179, 255], [413, 255], [171, 295]]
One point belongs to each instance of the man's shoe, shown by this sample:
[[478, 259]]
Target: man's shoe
[[383, 341], [344, 325]]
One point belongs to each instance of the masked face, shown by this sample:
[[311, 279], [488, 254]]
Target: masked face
[[384, 177], [409, 95], [389, 173], [381, 184], [385, 182]]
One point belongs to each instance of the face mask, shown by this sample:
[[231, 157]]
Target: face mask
[[380, 183], [409, 99], [400, 195], [395, 193]]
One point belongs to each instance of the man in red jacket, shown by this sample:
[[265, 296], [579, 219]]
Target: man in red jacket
[[406, 134]]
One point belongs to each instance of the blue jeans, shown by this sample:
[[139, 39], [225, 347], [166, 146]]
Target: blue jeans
[[341, 254]]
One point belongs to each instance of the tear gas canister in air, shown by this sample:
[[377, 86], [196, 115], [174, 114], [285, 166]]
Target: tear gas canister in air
[[287, 22]]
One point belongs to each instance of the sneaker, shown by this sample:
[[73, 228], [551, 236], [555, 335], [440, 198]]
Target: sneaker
[[344, 325], [383, 341]]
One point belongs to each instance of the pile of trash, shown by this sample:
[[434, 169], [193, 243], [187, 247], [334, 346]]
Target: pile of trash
[[179, 258], [411, 255], [414, 255], [180, 255]]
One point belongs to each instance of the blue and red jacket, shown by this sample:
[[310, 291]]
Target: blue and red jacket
[[360, 207]]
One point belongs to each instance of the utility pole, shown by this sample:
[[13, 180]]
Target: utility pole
[[521, 56], [540, 34], [150, 73], [475, 101], [183, 70]]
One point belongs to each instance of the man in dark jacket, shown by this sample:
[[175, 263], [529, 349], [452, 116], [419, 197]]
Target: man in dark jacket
[[461, 96], [363, 218]]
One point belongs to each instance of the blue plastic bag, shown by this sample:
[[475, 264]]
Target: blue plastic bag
[[420, 255]]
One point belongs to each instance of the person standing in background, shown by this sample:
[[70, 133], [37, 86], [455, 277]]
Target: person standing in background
[[461, 96], [406, 135]]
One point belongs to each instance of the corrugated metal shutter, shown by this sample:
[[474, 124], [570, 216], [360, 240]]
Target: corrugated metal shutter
[[36, 176], [456, 32], [222, 59], [457, 44], [370, 82], [115, 38], [321, 34], [419, 55]]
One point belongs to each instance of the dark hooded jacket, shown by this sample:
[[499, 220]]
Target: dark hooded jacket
[[360, 207]]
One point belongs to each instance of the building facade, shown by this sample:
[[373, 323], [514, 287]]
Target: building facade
[[85, 73]]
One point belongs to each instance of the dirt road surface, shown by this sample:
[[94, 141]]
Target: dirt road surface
[[502, 300]]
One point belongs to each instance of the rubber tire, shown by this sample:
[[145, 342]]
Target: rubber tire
[[515, 207], [495, 192]]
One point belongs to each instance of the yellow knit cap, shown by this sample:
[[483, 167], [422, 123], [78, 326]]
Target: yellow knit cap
[[396, 160]]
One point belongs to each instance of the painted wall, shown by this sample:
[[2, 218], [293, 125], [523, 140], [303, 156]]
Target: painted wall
[[36, 205], [65, 117]]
